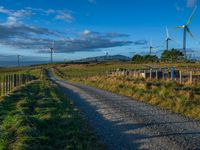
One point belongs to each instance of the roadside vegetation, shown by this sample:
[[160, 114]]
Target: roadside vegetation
[[179, 98], [172, 55], [38, 116]]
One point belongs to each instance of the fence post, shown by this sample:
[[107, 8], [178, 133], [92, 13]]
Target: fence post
[[6, 85], [191, 79], [163, 74], [180, 76], [13, 81], [19, 80], [150, 74], [172, 73], [156, 74], [145, 74]]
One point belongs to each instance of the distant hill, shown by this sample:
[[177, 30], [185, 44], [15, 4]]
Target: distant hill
[[104, 58]]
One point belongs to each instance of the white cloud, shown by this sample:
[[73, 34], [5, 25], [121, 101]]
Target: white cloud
[[5, 11], [15, 15], [11, 21], [65, 16], [86, 32]]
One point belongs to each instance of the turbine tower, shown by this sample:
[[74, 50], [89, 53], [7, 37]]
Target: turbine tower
[[18, 60], [167, 39], [150, 47], [187, 30], [52, 50]]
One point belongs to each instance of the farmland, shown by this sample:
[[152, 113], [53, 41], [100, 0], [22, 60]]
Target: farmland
[[180, 98]]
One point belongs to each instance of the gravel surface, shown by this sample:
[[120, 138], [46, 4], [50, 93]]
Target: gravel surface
[[122, 123]]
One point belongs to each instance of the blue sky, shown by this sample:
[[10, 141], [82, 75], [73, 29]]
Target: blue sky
[[84, 28]]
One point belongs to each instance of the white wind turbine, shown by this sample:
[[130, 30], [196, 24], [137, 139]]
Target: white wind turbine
[[167, 39], [187, 30]]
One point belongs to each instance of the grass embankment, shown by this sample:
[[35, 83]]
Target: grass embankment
[[39, 117], [184, 99]]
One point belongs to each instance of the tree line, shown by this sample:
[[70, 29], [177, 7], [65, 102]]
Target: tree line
[[172, 55]]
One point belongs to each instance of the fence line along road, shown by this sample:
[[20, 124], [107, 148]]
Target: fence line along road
[[9, 82], [181, 75]]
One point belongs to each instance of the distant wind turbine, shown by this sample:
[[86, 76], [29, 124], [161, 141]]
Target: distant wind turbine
[[187, 30], [52, 50], [167, 39], [150, 47], [18, 60]]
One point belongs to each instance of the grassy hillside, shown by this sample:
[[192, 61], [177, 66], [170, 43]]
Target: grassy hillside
[[39, 117], [180, 98]]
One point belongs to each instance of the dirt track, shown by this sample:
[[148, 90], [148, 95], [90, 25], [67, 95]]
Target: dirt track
[[122, 123]]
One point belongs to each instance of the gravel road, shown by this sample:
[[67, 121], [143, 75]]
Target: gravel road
[[122, 123]]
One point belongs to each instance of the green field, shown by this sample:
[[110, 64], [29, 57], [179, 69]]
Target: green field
[[176, 97], [37, 116]]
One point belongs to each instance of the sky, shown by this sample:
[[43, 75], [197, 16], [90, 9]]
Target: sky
[[87, 28]]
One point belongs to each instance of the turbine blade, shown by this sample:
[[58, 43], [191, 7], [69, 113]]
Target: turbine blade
[[188, 30], [192, 15]]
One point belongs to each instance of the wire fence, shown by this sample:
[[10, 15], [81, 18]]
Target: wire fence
[[183, 75], [10, 82]]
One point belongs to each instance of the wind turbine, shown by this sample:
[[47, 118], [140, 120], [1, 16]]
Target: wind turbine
[[150, 47], [167, 39], [18, 60], [187, 30], [52, 50]]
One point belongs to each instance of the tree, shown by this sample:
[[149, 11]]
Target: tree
[[172, 55], [145, 58], [137, 58], [150, 58]]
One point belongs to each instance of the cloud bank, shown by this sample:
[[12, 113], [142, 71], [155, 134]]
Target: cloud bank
[[16, 34]]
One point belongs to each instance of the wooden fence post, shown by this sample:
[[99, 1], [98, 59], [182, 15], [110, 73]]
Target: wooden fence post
[[180, 76], [191, 77], [7, 84], [163, 75], [172, 73], [145, 74], [156, 74], [150, 74], [13, 81]]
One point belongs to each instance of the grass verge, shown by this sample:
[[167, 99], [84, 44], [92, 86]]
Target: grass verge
[[39, 117]]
